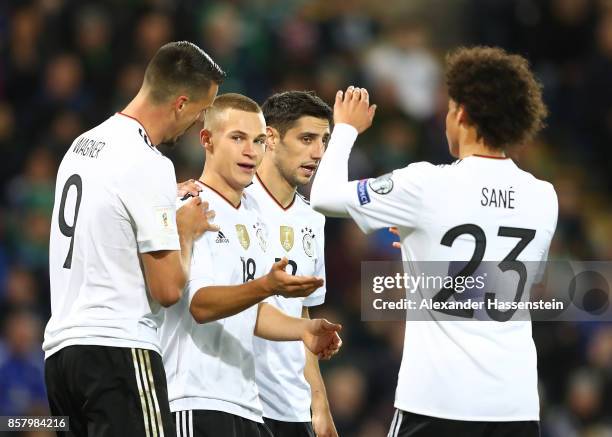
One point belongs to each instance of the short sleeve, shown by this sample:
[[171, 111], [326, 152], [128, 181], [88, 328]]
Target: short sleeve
[[149, 195], [393, 199], [318, 297], [202, 268], [551, 197]]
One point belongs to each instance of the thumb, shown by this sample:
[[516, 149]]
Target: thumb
[[339, 97], [196, 200], [280, 265], [328, 326], [372, 111]]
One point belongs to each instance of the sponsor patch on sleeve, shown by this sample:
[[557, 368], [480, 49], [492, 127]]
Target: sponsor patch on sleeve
[[362, 192]]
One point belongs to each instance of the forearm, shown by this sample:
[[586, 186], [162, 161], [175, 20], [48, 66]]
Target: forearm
[[312, 373], [220, 301], [330, 184], [273, 324], [186, 252]]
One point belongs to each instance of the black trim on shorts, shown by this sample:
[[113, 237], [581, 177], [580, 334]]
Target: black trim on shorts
[[211, 423], [406, 424], [289, 429]]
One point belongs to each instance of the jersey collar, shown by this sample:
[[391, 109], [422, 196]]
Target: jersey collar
[[220, 195], [272, 196], [141, 131], [489, 156]]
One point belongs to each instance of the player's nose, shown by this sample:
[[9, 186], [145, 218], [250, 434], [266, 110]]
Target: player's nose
[[317, 150]]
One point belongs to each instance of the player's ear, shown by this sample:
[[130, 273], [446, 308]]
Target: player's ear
[[272, 138], [461, 115], [180, 103], [206, 139]]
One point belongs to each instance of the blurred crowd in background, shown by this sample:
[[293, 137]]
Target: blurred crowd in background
[[66, 65]]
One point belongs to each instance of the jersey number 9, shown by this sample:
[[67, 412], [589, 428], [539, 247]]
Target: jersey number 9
[[73, 181]]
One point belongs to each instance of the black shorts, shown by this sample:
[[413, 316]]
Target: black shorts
[[209, 423], [290, 429], [406, 424], [109, 391]]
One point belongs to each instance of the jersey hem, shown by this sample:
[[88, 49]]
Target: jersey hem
[[316, 301], [439, 415], [101, 341], [154, 245], [197, 403], [286, 419]]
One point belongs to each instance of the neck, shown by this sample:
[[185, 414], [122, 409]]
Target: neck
[[215, 181], [151, 117], [276, 184], [469, 145]]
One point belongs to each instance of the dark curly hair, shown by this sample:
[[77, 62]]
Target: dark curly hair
[[501, 96]]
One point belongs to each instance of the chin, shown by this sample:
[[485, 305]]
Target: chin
[[171, 144], [298, 180], [244, 181]]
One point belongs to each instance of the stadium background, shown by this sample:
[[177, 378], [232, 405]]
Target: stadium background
[[66, 65]]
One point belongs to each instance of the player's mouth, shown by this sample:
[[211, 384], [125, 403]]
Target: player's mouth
[[308, 169], [246, 167]]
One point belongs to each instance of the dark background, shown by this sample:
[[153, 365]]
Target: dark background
[[67, 65]]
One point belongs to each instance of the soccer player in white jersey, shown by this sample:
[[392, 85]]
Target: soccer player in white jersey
[[458, 378], [119, 252], [207, 338], [287, 374]]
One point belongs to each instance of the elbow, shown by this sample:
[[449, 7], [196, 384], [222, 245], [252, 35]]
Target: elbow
[[201, 315], [168, 297], [169, 290]]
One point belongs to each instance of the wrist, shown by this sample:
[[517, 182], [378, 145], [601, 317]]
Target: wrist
[[307, 326], [265, 286], [347, 129], [185, 238], [319, 404]]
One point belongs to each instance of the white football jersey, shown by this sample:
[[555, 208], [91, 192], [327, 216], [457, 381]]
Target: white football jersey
[[114, 198], [480, 371], [297, 233], [211, 366]]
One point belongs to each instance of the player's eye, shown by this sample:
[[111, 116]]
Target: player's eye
[[307, 140], [261, 141], [237, 138]]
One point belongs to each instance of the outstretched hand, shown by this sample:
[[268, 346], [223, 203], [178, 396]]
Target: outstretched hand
[[280, 282]]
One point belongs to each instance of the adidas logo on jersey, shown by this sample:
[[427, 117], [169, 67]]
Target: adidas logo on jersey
[[221, 238]]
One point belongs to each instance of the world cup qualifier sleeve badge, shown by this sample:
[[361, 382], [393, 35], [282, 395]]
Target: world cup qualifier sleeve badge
[[308, 242]]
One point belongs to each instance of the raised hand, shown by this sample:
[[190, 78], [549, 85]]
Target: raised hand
[[353, 107]]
